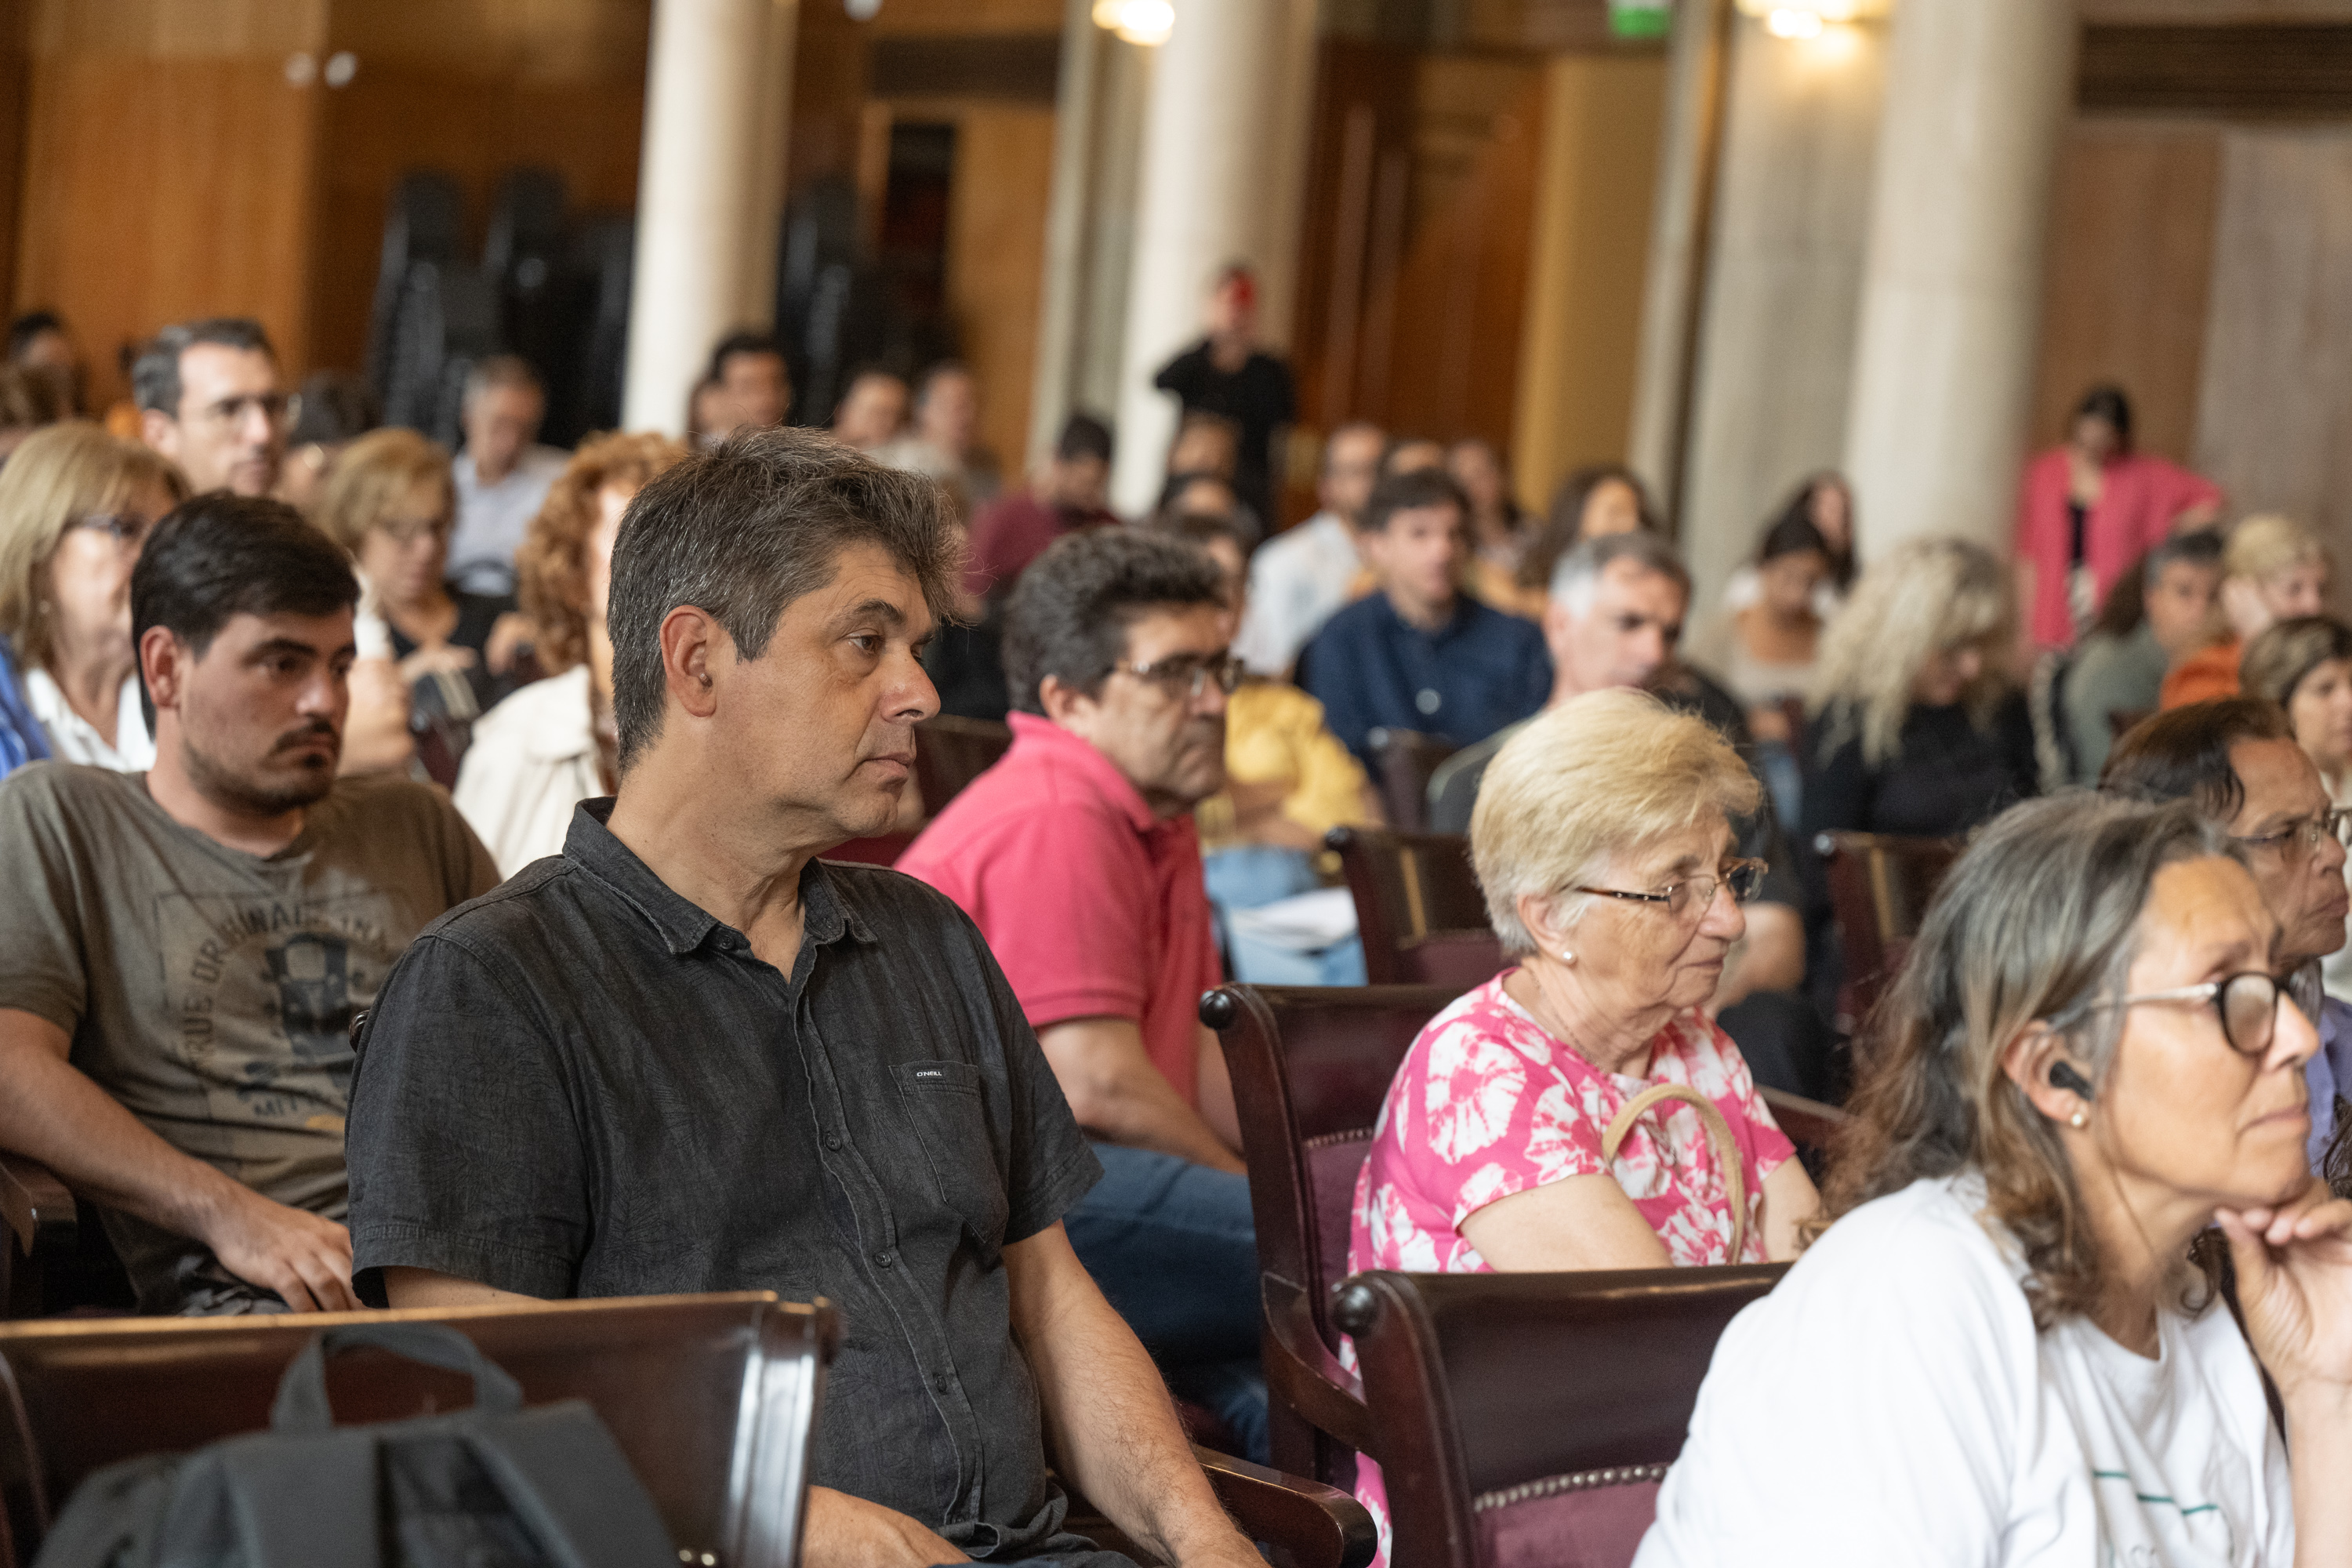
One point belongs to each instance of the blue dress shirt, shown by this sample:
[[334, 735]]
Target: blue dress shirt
[[1373, 670]]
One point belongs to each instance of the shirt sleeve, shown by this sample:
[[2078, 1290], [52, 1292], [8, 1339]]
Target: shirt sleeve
[[40, 918], [1331, 678], [1049, 1165], [454, 1064], [1332, 782]]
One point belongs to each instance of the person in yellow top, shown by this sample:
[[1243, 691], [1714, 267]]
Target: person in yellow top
[[1288, 781]]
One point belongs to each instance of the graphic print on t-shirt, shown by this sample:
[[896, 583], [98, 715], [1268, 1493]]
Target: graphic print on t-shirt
[[262, 992], [2143, 1526]]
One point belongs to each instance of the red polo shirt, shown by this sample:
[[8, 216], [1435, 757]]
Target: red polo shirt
[[1094, 908]]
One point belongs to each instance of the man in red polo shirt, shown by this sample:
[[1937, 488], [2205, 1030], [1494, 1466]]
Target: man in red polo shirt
[[1076, 857]]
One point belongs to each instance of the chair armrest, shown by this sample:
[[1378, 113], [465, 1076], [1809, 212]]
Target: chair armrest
[[34, 1202], [1808, 1123], [1304, 1374], [1310, 1524]]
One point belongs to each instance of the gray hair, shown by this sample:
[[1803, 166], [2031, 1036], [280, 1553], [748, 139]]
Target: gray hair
[[497, 371], [155, 374], [1579, 570], [741, 531], [1606, 773]]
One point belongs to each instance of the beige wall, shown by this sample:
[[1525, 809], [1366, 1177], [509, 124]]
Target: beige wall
[[1595, 178]]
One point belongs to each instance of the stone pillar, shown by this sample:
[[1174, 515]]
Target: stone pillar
[[1978, 94], [709, 193], [1223, 137]]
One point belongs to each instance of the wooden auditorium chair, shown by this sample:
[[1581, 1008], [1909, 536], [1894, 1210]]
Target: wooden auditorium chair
[[1406, 760], [950, 752], [1526, 1419], [1880, 886], [1418, 907]]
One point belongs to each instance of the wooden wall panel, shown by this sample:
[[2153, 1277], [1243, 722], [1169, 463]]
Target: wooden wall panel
[[2125, 285], [2276, 394], [996, 258]]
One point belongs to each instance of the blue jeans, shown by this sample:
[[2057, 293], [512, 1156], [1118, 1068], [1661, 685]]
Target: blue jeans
[[1250, 876], [1172, 1247]]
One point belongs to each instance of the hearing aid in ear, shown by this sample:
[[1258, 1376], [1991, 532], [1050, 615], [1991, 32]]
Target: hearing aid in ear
[[2062, 1075]]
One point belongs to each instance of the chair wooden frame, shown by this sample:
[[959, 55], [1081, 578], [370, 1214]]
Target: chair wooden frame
[[1418, 907], [951, 751], [1880, 887]]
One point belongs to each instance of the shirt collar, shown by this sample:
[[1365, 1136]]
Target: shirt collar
[[1037, 735], [683, 924]]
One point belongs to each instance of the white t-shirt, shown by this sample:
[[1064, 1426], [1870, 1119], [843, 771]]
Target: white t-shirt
[[493, 518], [532, 759], [74, 739], [1891, 1402], [1297, 581]]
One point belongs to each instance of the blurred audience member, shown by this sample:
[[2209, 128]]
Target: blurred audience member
[[1917, 729], [553, 743], [1499, 534], [209, 399], [28, 400], [1227, 373], [392, 502], [1206, 495], [754, 386], [1603, 498], [2305, 666], [1078, 857], [76, 505], [2273, 569], [2158, 612], [40, 341], [1068, 493], [2236, 760], [1766, 652], [238, 886], [709, 414], [1413, 454], [502, 473], [1420, 654], [2091, 508], [1205, 444], [1289, 781], [1299, 578], [944, 444], [872, 411], [1825, 500], [334, 408]]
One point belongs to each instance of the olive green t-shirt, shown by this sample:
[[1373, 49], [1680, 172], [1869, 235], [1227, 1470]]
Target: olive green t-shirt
[[210, 991]]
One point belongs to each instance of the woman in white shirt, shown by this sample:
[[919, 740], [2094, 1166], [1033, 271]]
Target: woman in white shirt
[[76, 505], [1999, 1352], [550, 745]]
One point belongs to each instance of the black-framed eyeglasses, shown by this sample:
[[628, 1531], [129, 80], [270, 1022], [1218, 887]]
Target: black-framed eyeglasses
[[1188, 674], [2247, 1003], [2309, 834], [1743, 877], [122, 527]]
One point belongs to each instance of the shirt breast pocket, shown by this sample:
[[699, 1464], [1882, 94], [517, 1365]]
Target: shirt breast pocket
[[947, 1102]]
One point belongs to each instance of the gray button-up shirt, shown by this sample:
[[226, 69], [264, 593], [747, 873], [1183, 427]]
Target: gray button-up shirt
[[584, 1085]]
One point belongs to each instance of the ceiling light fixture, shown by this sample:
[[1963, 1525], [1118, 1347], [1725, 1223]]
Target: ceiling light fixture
[[1145, 22], [1801, 19], [1788, 22]]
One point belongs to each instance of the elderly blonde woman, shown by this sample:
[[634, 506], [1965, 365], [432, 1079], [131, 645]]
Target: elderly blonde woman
[[1580, 1109], [2273, 569], [1915, 728], [552, 744], [1998, 1353], [76, 504]]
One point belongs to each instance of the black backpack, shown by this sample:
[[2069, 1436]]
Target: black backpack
[[496, 1485]]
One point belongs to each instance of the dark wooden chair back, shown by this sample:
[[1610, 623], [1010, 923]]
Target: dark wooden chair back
[[1533, 1395], [1418, 907], [1880, 887], [711, 1398], [1310, 1065], [950, 752], [1405, 761]]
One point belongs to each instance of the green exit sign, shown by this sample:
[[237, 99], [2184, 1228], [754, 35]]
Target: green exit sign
[[1640, 18]]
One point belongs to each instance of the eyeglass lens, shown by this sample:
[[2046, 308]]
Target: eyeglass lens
[[2249, 1004]]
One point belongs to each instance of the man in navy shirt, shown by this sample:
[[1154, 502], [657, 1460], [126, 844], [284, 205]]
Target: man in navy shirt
[[1421, 654]]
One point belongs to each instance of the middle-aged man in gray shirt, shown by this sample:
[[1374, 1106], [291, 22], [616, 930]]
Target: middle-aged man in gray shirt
[[685, 1055]]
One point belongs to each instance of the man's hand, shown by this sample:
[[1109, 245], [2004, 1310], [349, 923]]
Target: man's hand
[[305, 1259], [845, 1531]]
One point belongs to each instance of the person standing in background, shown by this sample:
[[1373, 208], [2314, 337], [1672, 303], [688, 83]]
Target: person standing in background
[[1227, 373], [502, 473]]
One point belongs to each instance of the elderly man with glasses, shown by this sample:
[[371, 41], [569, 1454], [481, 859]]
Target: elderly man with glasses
[[2237, 759], [1078, 857], [209, 399]]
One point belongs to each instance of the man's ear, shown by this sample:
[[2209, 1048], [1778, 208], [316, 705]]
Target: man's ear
[[161, 431], [2027, 1061], [692, 644], [162, 664], [1067, 706]]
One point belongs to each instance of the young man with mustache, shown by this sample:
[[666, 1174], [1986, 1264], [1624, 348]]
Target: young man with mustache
[[181, 952]]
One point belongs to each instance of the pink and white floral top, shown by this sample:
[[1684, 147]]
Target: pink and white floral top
[[1487, 1103]]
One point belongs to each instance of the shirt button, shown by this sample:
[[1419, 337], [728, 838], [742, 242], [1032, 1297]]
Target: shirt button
[[1428, 701], [885, 1257], [833, 1140]]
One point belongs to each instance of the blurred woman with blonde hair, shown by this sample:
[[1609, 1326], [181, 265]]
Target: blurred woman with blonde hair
[[2273, 569], [1917, 728], [76, 505]]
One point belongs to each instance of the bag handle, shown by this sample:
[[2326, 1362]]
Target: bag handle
[[302, 1405], [1719, 1135]]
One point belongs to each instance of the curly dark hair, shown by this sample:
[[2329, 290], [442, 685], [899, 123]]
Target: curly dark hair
[[552, 566], [1070, 616]]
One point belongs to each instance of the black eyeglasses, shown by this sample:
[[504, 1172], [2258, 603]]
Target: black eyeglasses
[[1188, 674], [2247, 1003], [1743, 877], [2309, 834]]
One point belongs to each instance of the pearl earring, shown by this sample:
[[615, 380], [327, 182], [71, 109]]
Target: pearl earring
[[1566, 956], [2080, 1120]]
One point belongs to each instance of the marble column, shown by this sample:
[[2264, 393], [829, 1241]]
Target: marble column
[[1978, 94], [709, 193], [1224, 149]]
